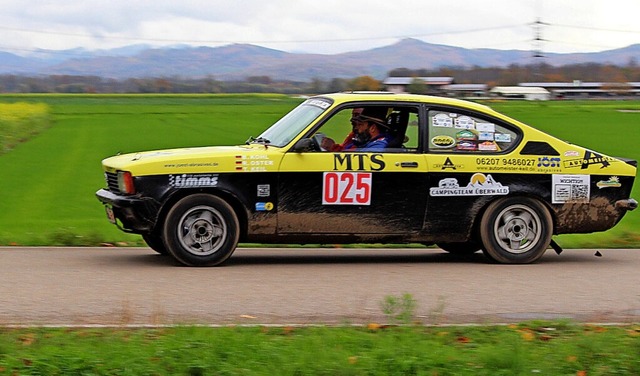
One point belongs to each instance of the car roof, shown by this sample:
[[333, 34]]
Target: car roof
[[385, 96], [355, 96]]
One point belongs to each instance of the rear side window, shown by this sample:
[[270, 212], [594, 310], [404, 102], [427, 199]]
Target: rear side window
[[454, 131]]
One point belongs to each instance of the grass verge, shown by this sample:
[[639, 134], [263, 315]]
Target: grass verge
[[552, 348]]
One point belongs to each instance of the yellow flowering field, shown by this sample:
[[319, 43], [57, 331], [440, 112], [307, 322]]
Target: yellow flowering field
[[21, 121]]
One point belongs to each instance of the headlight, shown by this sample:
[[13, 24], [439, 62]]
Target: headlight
[[125, 182]]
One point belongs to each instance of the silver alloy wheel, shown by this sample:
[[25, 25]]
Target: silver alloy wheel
[[517, 228], [202, 230]]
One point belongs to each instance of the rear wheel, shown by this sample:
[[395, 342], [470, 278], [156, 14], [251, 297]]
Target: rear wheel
[[516, 230], [201, 230]]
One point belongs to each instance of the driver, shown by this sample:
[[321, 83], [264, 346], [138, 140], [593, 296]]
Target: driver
[[369, 131], [330, 145]]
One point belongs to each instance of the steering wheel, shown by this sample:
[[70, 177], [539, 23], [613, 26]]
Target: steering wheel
[[317, 141]]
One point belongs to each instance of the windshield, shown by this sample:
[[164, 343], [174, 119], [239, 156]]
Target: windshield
[[287, 128]]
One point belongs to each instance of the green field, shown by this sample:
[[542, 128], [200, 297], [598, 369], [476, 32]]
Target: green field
[[48, 183]]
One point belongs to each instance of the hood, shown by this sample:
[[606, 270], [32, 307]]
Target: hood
[[189, 160]]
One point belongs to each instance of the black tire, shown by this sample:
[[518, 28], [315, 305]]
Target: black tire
[[156, 243], [516, 230], [460, 248], [201, 230]]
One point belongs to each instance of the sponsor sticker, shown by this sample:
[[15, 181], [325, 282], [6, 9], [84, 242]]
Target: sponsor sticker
[[467, 145], [589, 158], [488, 146], [448, 164], [318, 103], [502, 137], [358, 162], [442, 120], [443, 141], [264, 190], [466, 135], [464, 122], [485, 136], [486, 127], [613, 182], [193, 180], [570, 188], [550, 162], [264, 206], [479, 185]]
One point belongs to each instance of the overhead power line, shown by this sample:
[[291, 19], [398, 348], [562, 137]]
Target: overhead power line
[[273, 41], [537, 38], [596, 28]]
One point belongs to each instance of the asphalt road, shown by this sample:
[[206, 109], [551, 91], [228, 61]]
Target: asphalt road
[[135, 286]]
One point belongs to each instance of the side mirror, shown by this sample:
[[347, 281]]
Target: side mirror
[[305, 144]]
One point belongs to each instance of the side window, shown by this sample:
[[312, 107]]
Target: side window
[[374, 128], [453, 131], [412, 134]]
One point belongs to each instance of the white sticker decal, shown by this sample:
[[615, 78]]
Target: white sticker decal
[[464, 122], [570, 188], [486, 127], [485, 136], [442, 120], [479, 185], [346, 188], [318, 103]]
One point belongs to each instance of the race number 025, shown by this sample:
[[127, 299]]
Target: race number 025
[[346, 188]]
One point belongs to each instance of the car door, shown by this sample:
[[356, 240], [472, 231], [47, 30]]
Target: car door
[[470, 160], [354, 192]]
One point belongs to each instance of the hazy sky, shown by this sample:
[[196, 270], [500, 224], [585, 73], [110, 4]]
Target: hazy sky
[[328, 26]]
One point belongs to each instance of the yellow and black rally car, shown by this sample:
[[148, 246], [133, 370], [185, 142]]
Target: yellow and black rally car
[[372, 167]]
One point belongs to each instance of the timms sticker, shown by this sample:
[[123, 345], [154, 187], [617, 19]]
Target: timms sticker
[[346, 188]]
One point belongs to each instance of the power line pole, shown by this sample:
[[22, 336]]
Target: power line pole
[[538, 54]]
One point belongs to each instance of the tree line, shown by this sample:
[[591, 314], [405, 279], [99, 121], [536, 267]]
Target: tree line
[[492, 76], [515, 74]]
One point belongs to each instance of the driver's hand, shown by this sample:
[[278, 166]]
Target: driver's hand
[[327, 143]]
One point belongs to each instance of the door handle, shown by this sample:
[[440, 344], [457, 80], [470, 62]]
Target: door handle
[[409, 164]]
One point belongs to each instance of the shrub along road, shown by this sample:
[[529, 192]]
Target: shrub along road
[[131, 286]]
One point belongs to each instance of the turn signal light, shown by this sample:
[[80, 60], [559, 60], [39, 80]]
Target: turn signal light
[[125, 182]]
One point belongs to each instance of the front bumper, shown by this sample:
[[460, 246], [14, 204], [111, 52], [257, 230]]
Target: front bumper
[[132, 213]]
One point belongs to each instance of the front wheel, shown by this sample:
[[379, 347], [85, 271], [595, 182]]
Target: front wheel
[[516, 230], [155, 242], [201, 230]]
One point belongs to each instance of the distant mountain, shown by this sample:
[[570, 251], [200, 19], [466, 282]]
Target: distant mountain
[[10, 63], [238, 61]]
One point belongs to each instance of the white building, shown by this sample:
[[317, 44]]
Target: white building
[[399, 84], [521, 92]]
